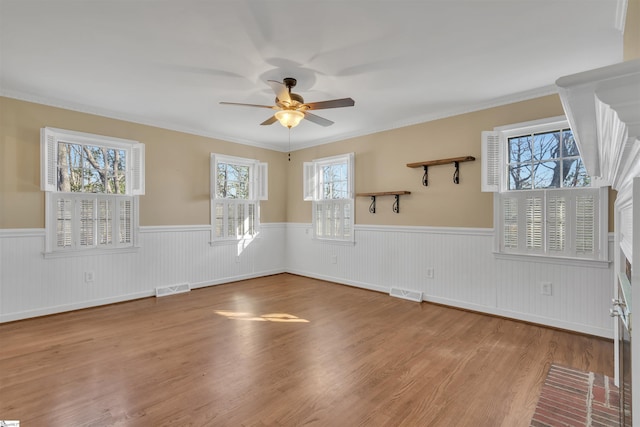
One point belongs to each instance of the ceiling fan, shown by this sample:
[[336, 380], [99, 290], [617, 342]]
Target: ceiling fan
[[291, 108]]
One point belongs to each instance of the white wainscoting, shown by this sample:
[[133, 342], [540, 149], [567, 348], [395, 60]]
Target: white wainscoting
[[31, 285], [466, 273]]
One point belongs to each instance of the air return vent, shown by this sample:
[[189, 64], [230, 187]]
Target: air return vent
[[163, 291], [406, 294]]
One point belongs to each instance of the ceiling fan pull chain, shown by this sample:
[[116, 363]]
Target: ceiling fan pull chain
[[289, 144]]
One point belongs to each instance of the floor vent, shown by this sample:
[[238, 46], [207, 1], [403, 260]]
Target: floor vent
[[405, 294], [163, 291]]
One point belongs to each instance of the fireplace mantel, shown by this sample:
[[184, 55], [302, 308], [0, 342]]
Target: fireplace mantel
[[603, 110]]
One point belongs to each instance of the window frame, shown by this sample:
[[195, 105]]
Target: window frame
[[50, 138], [495, 170], [257, 191], [337, 224]]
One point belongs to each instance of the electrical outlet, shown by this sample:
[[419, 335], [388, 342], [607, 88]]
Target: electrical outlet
[[334, 259], [546, 288], [238, 259], [89, 276], [430, 273]]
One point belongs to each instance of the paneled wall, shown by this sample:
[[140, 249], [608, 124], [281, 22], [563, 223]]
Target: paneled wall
[[466, 273], [31, 285]]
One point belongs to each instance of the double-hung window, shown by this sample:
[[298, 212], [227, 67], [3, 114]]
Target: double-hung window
[[92, 184], [329, 183], [545, 203], [237, 186]]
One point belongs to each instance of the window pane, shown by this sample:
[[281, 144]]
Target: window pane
[[575, 175], [520, 177], [334, 181], [69, 167], [569, 147], [546, 145], [547, 174], [241, 209], [232, 181], [520, 149], [347, 219]]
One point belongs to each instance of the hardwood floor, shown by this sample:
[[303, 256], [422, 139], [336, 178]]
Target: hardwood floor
[[282, 350]]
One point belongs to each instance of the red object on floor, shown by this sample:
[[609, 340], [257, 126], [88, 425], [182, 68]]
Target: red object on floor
[[575, 398]]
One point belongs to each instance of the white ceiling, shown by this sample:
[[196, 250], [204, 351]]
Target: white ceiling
[[169, 63]]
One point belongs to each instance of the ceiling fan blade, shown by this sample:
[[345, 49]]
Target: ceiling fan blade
[[334, 103], [271, 120], [317, 119], [281, 91], [249, 105]]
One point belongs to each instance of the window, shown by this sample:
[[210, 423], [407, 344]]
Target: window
[[92, 185], [328, 182], [545, 203], [237, 186]]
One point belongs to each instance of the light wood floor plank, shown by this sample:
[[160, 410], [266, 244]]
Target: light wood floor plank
[[282, 350]]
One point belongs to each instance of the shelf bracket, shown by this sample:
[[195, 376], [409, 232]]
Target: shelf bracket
[[396, 204], [425, 177], [396, 194], [456, 173]]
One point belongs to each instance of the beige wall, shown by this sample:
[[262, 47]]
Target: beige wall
[[381, 160], [177, 166]]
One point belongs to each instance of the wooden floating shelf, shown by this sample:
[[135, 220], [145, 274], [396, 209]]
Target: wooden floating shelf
[[455, 160], [396, 204], [383, 193], [441, 162]]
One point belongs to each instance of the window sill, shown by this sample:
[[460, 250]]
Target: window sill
[[578, 262], [90, 252]]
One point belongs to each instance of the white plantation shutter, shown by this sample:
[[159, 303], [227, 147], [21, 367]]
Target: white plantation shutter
[[534, 233], [351, 180], [491, 161], [261, 181], [48, 160], [64, 222], [87, 216], [510, 223], [556, 223], [105, 222], [125, 221], [137, 169], [310, 181], [585, 224]]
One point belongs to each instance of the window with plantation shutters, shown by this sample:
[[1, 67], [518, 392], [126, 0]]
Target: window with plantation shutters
[[547, 206], [329, 184], [92, 184], [237, 187]]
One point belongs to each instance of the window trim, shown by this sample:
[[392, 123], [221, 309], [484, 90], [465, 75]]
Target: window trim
[[135, 186], [312, 192], [494, 179], [258, 191]]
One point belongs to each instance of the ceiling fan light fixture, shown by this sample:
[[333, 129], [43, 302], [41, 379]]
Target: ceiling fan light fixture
[[289, 118]]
